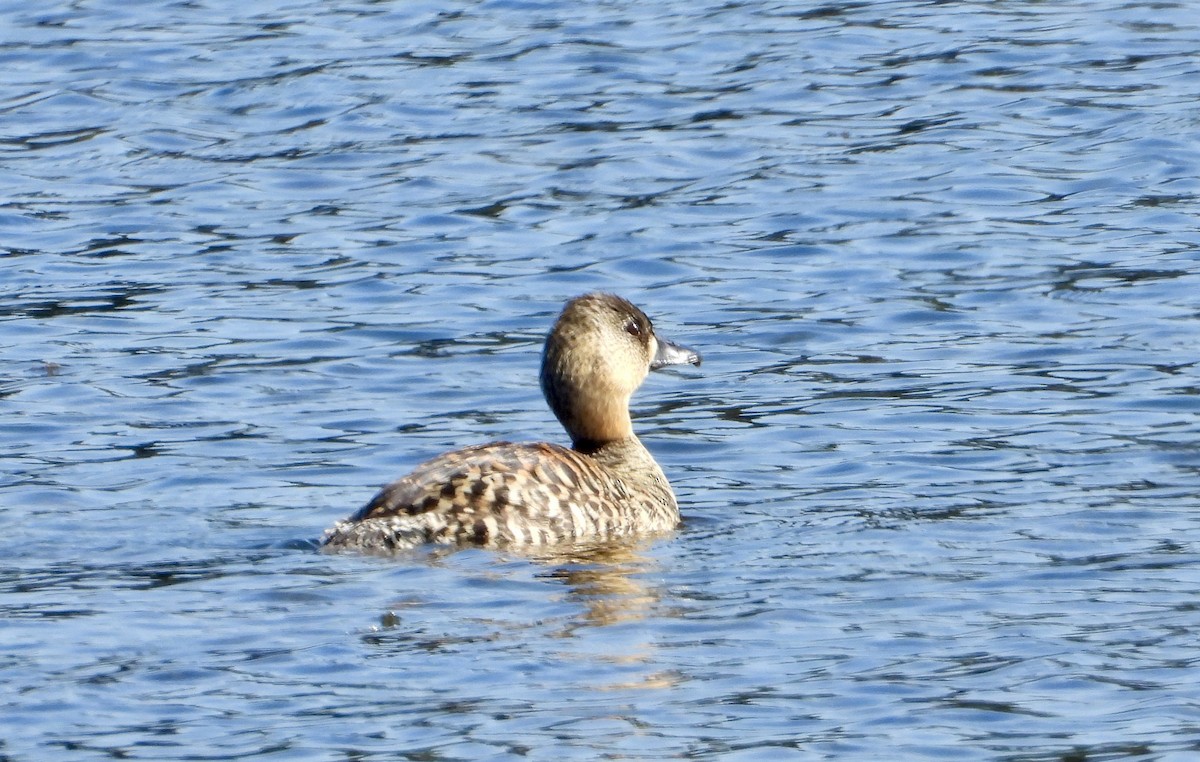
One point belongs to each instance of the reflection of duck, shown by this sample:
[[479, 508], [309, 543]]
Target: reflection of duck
[[605, 578], [606, 583], [607, 485]]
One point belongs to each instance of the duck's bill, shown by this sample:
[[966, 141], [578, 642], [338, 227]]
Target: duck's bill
[[673, 354]]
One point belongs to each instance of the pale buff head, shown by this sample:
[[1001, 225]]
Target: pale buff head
[[597, 354]]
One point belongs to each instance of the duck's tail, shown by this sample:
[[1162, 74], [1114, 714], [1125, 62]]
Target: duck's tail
[[402, 532]]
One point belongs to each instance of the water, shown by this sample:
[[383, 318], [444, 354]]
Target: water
[[940, 468]]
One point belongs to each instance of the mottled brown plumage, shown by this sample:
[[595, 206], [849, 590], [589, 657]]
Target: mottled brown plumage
[[505, 494]]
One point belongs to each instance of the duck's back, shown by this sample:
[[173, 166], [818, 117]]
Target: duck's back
[[503, 493]]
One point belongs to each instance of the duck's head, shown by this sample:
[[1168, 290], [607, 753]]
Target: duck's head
[[597, 354]]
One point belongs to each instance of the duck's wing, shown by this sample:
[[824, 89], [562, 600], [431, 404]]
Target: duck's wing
[[494, 493]]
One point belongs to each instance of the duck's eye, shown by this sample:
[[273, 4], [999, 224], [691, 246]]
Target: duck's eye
[[633, 329]]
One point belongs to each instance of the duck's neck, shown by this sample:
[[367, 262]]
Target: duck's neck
[[592, 414], [593, 446], [597, 420]]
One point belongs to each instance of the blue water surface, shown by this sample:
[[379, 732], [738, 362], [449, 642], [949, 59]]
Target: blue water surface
[[940, 470]]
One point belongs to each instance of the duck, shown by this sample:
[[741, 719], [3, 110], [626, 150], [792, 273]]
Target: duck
[[606, 485]]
